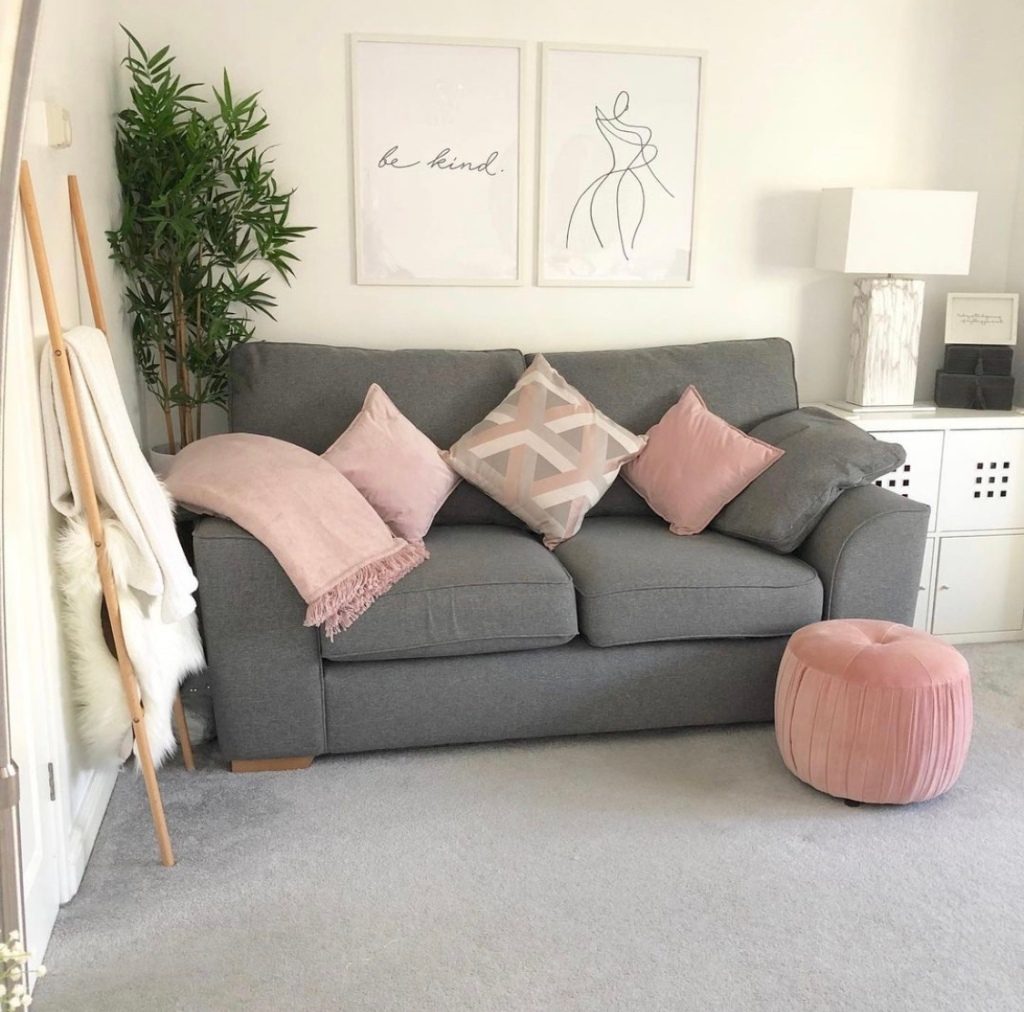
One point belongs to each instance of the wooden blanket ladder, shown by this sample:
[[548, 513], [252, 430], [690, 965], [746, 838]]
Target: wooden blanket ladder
[[129, 682]]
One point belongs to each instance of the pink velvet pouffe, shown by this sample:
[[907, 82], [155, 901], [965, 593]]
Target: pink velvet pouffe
[[873, 711]]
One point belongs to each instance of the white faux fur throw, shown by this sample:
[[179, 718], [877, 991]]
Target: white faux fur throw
[[163, 653], [154, 563]]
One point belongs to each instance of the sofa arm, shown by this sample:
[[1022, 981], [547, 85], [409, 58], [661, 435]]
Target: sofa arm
[[868, 549], [265, 666]]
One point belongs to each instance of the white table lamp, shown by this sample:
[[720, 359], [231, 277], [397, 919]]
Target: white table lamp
[[891, 232]]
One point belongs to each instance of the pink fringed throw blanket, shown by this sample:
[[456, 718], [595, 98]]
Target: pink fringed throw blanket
[[339, 554]]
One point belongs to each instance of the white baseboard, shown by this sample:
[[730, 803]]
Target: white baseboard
[[84, 828], [1013, 636]]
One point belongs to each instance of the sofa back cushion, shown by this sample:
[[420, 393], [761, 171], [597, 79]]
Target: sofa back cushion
[[743, 382], [309, 393]]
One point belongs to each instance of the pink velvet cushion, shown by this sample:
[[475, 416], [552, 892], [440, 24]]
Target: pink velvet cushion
[[873, 711], [694, 463], [397, 468]]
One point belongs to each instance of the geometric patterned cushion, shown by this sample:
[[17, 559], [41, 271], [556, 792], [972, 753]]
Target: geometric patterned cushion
[[545, 453]]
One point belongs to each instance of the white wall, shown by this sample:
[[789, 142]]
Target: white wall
[[802, 94], [74, 67]]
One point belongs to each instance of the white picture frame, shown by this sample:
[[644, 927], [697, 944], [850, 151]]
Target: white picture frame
[[437, 129], [598, 104], [982, 317]]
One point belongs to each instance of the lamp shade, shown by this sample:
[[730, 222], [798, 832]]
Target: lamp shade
[[896, 231]]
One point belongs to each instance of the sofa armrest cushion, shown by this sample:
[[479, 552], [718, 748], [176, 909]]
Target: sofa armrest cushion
[[823, 456], [868, 549], [265, 666]]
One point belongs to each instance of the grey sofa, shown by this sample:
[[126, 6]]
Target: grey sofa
[[625, 626]]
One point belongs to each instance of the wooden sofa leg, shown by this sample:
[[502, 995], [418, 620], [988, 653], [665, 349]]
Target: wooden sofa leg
[[298, 762]]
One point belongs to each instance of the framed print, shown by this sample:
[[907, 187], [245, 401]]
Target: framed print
[[981, 318], [437, 160], [619, 137]]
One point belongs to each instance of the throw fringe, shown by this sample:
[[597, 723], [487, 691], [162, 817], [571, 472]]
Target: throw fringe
[[339, 607]]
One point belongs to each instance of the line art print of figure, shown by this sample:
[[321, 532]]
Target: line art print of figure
[[632, 152]]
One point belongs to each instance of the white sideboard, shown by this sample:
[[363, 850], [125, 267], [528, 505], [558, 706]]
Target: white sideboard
[[969, 467]]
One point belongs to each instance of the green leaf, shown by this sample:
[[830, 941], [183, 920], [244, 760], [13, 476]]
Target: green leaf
[[201, 209]]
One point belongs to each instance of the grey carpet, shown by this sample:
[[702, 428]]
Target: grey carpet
[[672, 870]]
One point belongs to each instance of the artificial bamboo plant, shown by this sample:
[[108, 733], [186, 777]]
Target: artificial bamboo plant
[[202, 219]]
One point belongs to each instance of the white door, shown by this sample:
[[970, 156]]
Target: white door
[[26, 538], [30, 749], [918, 477], [924, 590], [981, 480], [979, 585]]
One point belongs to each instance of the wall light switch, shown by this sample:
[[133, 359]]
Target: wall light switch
[[58, 126], [48, 125]]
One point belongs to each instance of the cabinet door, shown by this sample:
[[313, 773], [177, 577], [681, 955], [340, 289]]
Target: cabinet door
[[980, 584], [918, 478], [925, 587], [982, 474]]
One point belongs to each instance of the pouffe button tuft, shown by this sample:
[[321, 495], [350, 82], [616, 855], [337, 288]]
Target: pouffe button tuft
[[873, 711]]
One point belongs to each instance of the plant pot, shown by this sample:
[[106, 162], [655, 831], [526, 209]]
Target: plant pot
[[160, 460]]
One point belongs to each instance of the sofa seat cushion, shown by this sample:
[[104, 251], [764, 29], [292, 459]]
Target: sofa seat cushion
[[639, 583], [484, 589]]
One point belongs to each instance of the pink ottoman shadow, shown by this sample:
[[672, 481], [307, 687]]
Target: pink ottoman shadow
[[873, 711]]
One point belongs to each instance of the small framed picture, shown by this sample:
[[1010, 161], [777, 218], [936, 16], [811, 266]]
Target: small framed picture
[[981, 318]]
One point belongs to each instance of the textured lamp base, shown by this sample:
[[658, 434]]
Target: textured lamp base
[[883, 345]]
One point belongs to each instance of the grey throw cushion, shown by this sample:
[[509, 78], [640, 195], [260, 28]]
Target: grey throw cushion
[[825, 455]]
